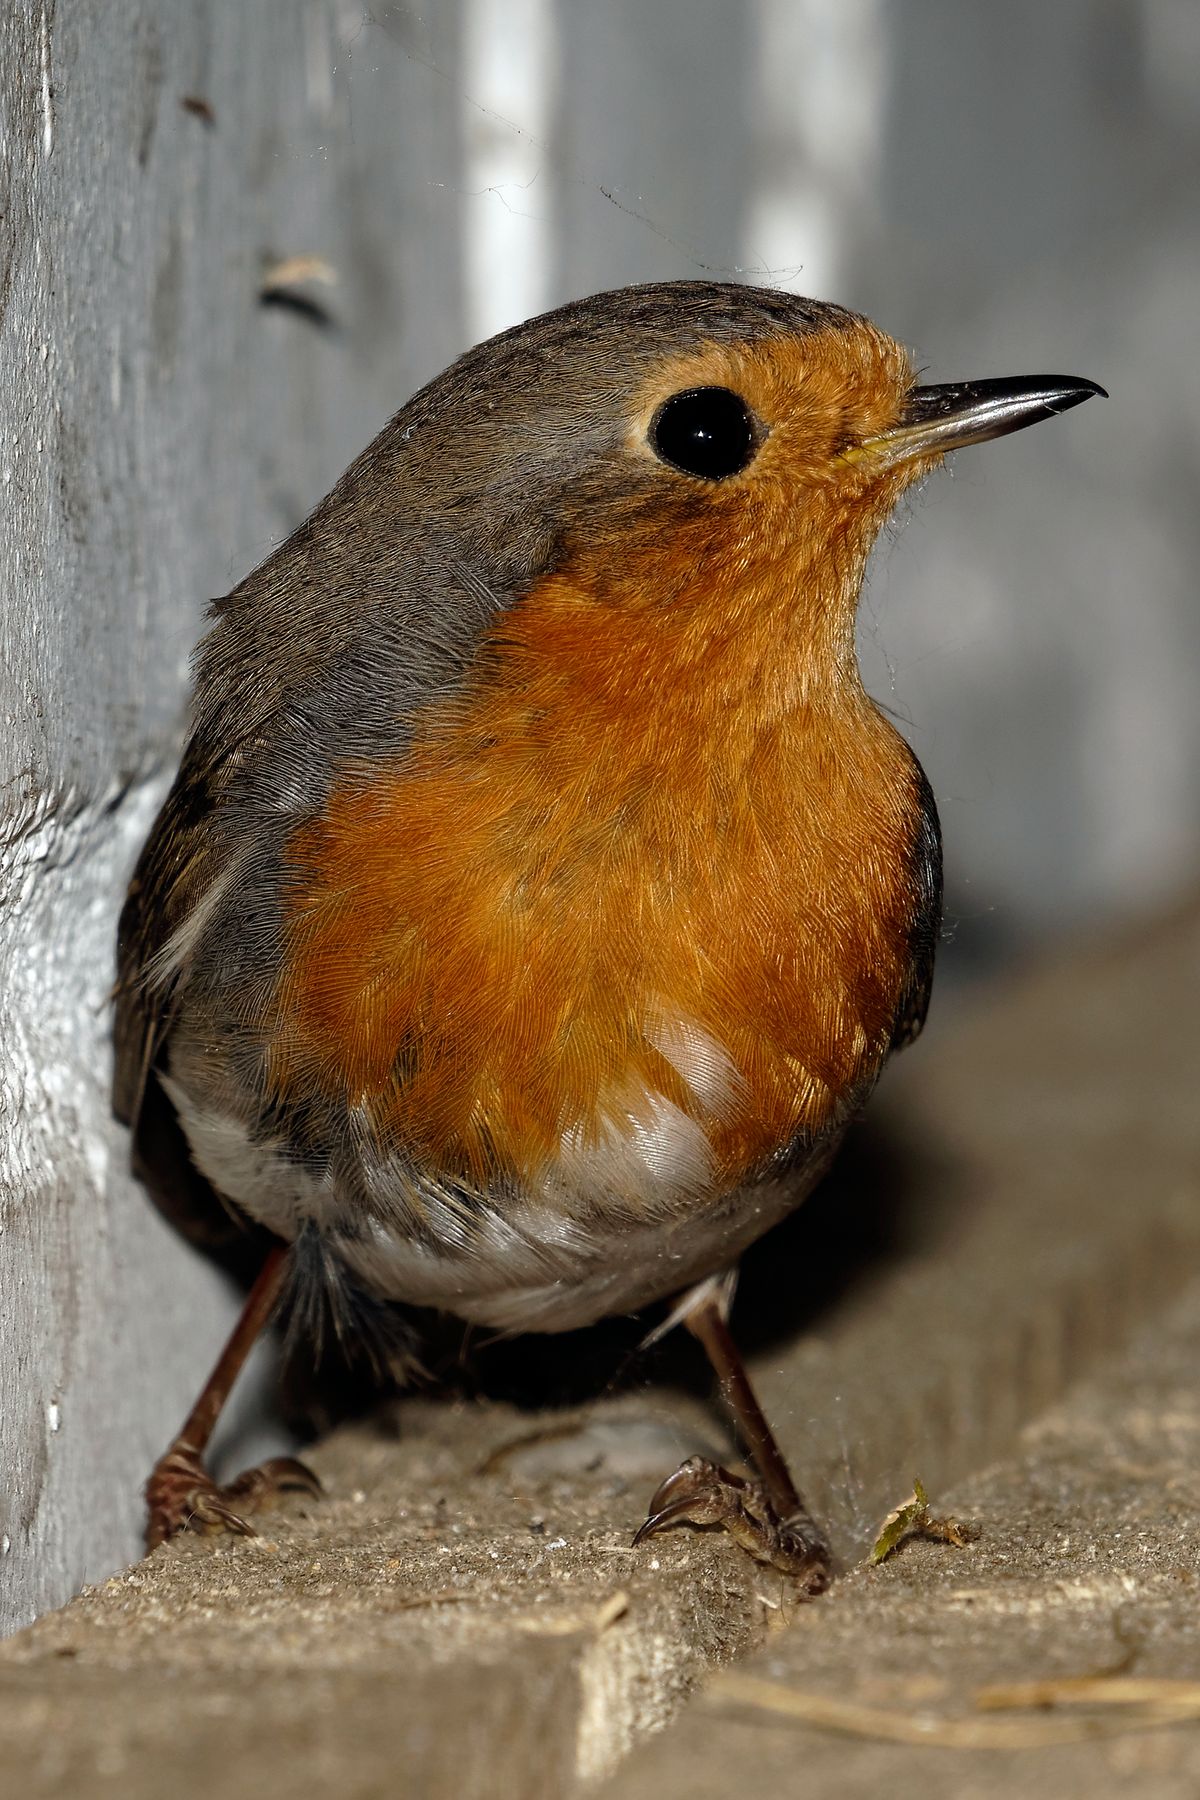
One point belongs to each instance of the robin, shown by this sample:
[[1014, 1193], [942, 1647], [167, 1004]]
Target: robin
[[540, 893]]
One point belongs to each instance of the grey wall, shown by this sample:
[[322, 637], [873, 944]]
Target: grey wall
[[1036, 209], [161, 431], [1007, 189]]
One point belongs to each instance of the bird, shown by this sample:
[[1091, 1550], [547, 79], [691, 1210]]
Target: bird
[[540, 893]]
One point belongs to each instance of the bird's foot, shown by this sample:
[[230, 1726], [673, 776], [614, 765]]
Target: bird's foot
[[182, 1496], [702, 1493]]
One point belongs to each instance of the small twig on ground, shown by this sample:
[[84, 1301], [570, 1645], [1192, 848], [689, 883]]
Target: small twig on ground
[[1158, 1704]]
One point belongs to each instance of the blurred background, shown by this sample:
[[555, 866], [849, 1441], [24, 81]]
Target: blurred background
[[236, 238]]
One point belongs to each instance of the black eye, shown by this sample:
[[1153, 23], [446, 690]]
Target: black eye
[[708, 431]]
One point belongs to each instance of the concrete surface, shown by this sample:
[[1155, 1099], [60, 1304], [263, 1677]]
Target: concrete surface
[[464, 1614], [1086, 1564], [430, 1629]]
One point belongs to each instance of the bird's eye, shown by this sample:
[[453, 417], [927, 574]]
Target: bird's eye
[[707, 431]]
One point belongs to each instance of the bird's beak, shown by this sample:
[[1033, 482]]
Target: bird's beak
[[937, 419]]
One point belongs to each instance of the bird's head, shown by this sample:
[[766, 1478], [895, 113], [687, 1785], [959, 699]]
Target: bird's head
[[687, 468], [672, 487]]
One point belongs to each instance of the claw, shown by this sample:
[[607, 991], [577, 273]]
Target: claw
[[701, 1493], [281, 1475], [182, 1496], [206, 1511], [698, 1493]]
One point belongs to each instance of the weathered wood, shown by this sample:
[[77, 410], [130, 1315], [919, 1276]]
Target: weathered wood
[[161, 430]]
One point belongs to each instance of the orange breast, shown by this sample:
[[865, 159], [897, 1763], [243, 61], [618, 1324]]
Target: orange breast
[[637, 856]]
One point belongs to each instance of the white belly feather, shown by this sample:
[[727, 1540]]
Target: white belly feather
[[623, 1215]]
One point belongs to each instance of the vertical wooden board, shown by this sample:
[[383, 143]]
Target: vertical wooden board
[[161, 430]]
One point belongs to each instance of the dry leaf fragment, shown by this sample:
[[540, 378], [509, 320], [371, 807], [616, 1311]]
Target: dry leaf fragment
[[914, 1519]]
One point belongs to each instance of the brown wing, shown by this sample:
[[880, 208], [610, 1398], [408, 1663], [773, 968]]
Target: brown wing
[[927, 920], [172, 874], [168, 879]]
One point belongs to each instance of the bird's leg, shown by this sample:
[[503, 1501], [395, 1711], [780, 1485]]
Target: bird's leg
[[767, 1517], [181, 1495]]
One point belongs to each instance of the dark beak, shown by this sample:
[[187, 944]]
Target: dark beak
[[937, 419]]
